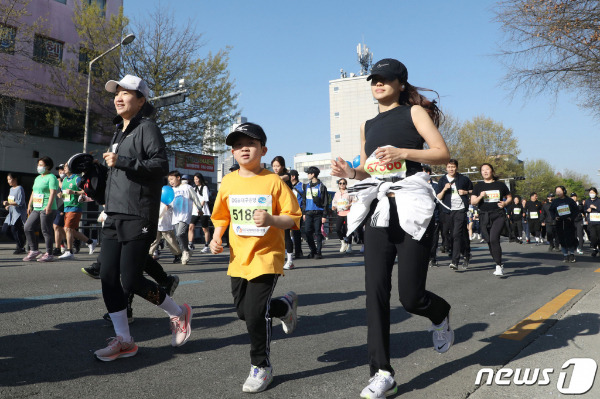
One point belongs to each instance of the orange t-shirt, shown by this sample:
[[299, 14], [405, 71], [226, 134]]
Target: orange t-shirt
[[254, 251]]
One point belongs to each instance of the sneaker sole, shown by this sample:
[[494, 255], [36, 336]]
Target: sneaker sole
[[261, 389], [89, 274], [389, 392], [188, 327], [295, 311], [174, 286], [129, 353]]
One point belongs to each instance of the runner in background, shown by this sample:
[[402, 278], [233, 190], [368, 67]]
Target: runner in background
[[549, 222], [342, 201], [524, 221], [578, 220], [534, 211], [58, 224], [297, 234], [201, 215], [488, 195], [278, 165], [16, 205], [564, 211], [515, 215], [592, 210], [182, 204], [436, 220]]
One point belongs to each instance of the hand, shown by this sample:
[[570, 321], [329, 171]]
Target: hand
[[68, 191], [390, 154], [463, 192], [48, 209], [543, 224], [110, 158], [215, 246], [501, 204], [4, 203], [261, 218], [323, 220], [593, 206], [447, 186], [340, 168], [304, 218], [482, 195], [29, 210]]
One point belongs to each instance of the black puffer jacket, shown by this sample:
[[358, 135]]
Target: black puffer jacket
[[134, 184]]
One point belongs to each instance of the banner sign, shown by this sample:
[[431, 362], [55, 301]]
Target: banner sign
[[186, 160]]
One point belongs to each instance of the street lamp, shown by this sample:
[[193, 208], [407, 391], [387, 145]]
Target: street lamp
[[125, 41]]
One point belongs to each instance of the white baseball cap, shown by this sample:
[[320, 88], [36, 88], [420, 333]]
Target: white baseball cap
[[129, 82]]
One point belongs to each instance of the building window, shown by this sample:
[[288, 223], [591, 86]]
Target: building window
[[47, 51], [336, 89], [336, 115], [7, 39], [7, 111], [39, 119], [85, 56], [337, 137]]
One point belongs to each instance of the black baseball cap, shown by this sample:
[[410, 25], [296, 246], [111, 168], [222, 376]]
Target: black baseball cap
[[390, 69], [249, 129], [550, 195], [573, 195], [61, 166]]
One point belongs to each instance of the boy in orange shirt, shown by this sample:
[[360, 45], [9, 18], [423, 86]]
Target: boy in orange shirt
[[258, 207]]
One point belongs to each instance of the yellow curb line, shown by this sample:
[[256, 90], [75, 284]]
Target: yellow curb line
[[537, 318]]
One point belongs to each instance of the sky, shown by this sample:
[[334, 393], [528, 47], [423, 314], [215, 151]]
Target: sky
[[285, 53]]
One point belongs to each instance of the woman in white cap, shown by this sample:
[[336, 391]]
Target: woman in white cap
[[398, 202], [137, 162]]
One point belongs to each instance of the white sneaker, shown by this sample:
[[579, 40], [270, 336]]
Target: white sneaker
[[349, 249], [290, 320], [185, 257], [381, 385], [66, 255], [205, 250], [443, 336], [258, 380], [579, 252], [344, 246], [92, 246], [499, 270], [288, 265]]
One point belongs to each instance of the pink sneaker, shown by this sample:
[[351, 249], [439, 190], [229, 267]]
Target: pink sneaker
[[181, 326], [116, 348], [46, 258], [31, 256]]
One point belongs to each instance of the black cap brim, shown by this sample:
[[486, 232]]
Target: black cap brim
[[385, 75], [234, 135]]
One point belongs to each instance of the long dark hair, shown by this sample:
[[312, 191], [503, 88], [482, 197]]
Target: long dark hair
[[202, 182], [14, 176], [494, 177], [147, 109], [411, 96], [281, 162]]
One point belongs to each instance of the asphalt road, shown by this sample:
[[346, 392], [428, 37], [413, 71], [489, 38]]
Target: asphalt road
[[52, 322]]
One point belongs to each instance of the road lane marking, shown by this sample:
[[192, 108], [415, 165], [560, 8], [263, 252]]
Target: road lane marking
[[598, 271], [537, 318], [7, 301]]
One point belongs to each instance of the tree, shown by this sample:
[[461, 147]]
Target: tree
[[540, 177], [576, 182], [552, 45], [485, 140], [450, 130], [162, 54]]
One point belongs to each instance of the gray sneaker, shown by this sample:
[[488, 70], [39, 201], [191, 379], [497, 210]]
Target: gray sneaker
[[443, 336], [290, 320]]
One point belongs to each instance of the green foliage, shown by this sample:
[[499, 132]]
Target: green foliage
[[540, 177]]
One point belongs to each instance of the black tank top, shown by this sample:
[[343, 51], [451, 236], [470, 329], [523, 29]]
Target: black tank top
[[396, 128]]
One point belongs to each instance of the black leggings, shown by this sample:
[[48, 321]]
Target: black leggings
[[491, 229], [16, 231], [122, 273], [381, 247], [594, 230], [289, 244], [517, 229], [342, 228]]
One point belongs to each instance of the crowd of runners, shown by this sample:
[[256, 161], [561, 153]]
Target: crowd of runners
[[389, 205]]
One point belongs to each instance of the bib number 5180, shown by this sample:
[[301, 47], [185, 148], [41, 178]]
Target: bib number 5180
[[240, 215]]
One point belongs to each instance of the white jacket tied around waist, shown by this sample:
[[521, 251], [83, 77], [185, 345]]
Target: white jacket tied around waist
[[415, 201]]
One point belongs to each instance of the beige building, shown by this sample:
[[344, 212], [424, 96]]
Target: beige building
[[350, 105]]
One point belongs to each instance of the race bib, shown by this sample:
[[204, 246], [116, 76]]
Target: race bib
[[342, 204], [533, 215], [38, 200], [492, 196], [595, 217], [563, 210], [11, 198], [380, 170], [66, 197], [241, 209], [517, 211]]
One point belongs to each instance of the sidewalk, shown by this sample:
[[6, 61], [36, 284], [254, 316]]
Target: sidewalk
[[575, 335]]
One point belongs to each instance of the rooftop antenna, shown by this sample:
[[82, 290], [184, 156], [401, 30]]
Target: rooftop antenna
[[365, 58]]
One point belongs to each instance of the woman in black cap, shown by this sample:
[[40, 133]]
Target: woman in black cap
[[137, 162], [564, 210], [391, 156]]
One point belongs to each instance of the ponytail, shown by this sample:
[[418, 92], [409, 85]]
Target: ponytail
[[411, 96]]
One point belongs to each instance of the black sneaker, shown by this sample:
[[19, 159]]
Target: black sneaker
[[594, 253], [172, 286], [433, 263], [56, 252], [311, 255], [318, 256], [572, 258], [298, 255], [177, 259], [565, 259], [19, 251], [191, 246], [91, 271], [550, 248], [466, 260]]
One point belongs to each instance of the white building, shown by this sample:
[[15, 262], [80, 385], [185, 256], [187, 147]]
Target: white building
[[350, 105], [321, 161]]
